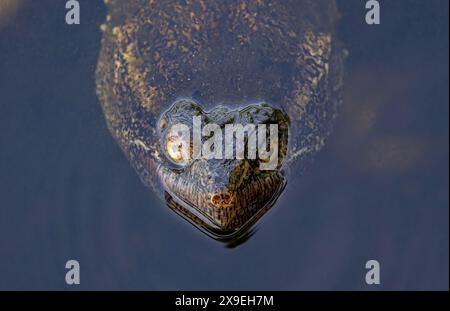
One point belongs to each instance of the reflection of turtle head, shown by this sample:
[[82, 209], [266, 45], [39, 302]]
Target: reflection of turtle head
[[232, 185]]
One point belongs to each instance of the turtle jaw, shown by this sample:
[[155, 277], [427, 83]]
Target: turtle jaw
[[222, 206]]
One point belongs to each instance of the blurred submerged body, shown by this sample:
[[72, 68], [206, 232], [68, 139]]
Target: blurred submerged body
[[8, 10]]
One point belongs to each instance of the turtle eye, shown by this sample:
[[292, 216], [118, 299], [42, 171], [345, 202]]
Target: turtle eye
[[178, 144]]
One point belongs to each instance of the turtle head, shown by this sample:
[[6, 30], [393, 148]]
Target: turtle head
[[224, 167]]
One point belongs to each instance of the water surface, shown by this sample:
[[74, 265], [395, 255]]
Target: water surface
[[378, 190]]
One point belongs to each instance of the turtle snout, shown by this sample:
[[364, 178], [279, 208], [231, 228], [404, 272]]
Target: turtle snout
[[221, 198]]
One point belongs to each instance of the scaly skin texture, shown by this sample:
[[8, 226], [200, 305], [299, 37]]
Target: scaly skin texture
[[219, 53]]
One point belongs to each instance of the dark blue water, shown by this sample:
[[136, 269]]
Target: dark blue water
[[378, 190]]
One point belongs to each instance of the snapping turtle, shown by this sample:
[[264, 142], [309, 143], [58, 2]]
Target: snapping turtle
[[162, 63]]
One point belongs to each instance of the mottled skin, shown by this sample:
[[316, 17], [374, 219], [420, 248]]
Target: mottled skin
[[219, 57]]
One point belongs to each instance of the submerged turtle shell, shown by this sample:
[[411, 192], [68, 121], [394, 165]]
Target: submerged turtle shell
[[229, 53]]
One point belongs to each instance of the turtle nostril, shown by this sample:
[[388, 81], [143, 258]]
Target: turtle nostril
[[226, 198], [216, 199]]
